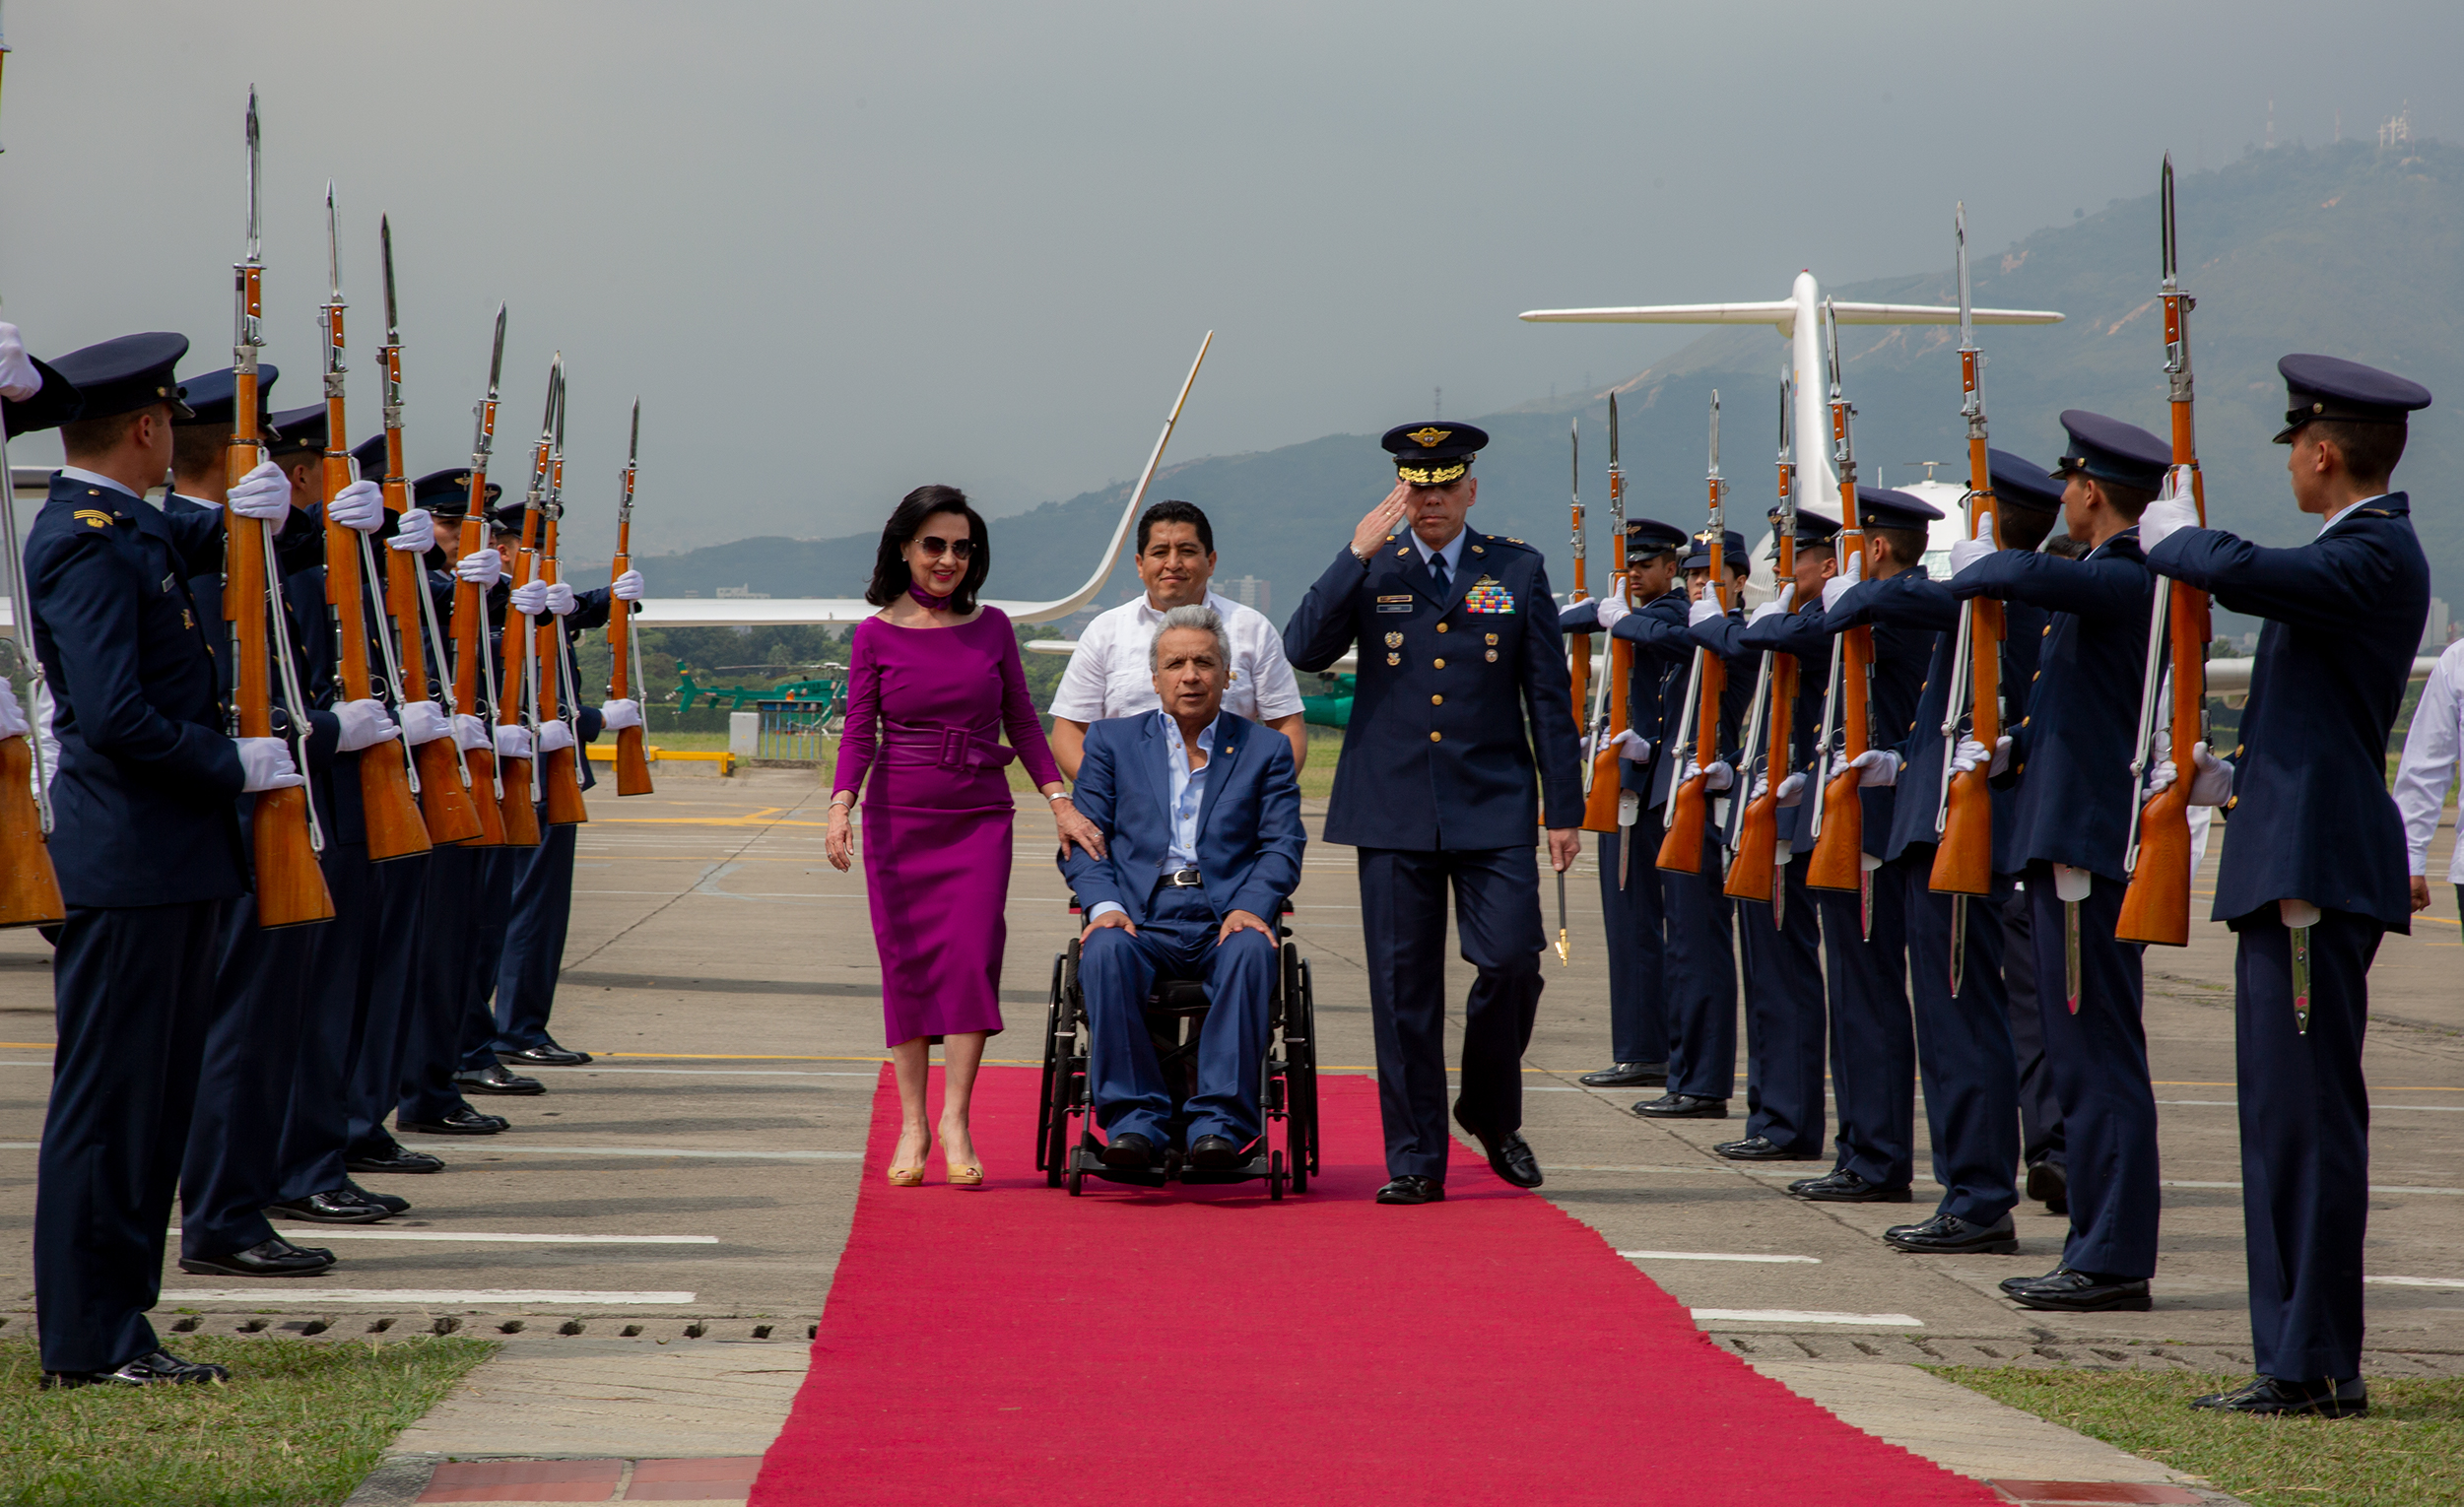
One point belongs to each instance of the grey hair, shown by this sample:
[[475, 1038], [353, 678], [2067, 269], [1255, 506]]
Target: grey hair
[[1199, 615]]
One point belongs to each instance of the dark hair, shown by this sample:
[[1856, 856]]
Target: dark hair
[[2370, 450], [100, 437], [2064, 547], [2022, 528], [891, 576], [1175, 512], [2129, 501], [198, 449], [1908, 545]]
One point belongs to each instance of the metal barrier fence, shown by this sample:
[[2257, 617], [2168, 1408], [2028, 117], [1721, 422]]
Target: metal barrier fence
[[795, 732]]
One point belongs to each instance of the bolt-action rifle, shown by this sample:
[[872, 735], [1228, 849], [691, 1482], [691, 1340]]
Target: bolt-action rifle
[[1681, 850], [1838, 861], [632, 759], [522, 776], [1602, 788], [474, 671], [1753, 874], [30, 887], [560, 772]]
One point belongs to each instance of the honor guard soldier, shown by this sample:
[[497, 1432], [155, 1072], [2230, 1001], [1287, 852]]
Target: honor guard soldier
[[1873, 1047], [146, 842], [1635, 923], [2315, 873], [2075, 811], [1462, 684]]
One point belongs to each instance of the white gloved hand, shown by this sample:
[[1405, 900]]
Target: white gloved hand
[[423, 721], [470, 735], [620, 714], [2211, 785], [13, 723], [1612, 610], [2167, 514], [627, 587], [263, 494], [554, 737], [1792, 789], [1851, 571], [1631, 746], [18, 380], [1876, 766], [1719, 776], [1971, 754], [512, 741], [365, 725], [1777, 605], [530, 598], [265, 764], [483, 568], [1967, 552], [360, 506], [561, 600], [415, 534], [1706, 609]]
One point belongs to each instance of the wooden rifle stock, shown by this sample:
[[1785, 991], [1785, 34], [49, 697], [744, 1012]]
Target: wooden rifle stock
[[562, 775], [30, 886], [521, 816], [444, 800], [632, 756], [1752, 872], [1839, 857], [1964, 858], [470, 637], [1601, 800]]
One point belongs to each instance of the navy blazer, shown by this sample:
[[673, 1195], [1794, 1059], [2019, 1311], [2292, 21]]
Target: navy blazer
[[1800, 635], [1250, 833], [2310, 818], [2071, 750], [1461, 697]]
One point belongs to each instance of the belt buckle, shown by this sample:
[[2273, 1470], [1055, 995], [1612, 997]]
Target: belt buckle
[[1182, 879], [953, 746]]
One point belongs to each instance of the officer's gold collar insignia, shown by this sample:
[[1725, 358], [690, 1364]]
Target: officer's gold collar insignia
[[94, 519], [1429, 436]]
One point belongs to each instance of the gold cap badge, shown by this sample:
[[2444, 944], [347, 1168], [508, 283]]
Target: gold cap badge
[[1429, 436]]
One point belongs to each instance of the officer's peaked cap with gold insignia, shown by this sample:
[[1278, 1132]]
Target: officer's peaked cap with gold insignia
[[127, 374], [1884, 507], [1649, 537], [2110, 450], [1732, 551], [302, 428], [213, 400], [1435, 453], [447, 492], [2331, 388], [1812, 529]]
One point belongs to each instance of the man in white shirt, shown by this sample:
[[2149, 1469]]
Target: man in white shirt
[[2431, 747], [1108, 676]]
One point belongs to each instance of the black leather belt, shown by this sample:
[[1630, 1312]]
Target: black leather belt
[[1182, 879]]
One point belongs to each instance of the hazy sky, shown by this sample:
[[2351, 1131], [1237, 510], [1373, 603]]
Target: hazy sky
[[841, 250]]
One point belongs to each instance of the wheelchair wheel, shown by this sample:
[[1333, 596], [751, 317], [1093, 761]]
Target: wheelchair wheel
[[1275, 1178], [1060, 1040], [1044, 1103], [1077, 1181]]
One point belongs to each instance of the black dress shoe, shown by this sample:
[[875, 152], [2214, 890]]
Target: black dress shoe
[[1846, 1187], [1683, 1106], [1950, 1235], [1510, 1155], [269, 1258], [393, 1156], [2069, 1291], [1413, 1189], [2013, 1284], [2318, 1399], [1758, 1149], [1628, 1074], [161, 1366], [1129, 1150], [547, 1054], [495, 1078], [1214, 1153], [387, 1202], [2050, 1185], [334, 1206], [462, 1122]]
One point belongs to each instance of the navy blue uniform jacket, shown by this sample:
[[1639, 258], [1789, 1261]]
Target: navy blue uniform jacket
[[1800, 635], [1455, 694], [1250, 835], [2311, 818], [1663, 654], [1899, 671], [2070, 752]]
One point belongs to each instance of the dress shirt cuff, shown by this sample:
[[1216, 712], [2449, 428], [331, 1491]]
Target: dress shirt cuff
[[1103, 908]]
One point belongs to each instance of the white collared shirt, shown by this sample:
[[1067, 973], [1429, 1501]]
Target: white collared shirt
[[97, 479], [1187, 791], [2339, 514], [2431, 747], [1112, 673]]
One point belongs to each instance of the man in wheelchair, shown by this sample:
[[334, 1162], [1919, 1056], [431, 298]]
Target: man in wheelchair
[[1201, 819]]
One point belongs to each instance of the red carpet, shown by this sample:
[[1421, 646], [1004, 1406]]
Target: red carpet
[[1131, 1348]]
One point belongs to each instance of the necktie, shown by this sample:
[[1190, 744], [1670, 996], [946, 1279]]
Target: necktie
[[1437, 569]]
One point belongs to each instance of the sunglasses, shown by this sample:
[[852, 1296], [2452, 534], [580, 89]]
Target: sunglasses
[[962, 549]]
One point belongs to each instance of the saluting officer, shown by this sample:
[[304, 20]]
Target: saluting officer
[[2316, 858], [2070, 757], [1462, 681]]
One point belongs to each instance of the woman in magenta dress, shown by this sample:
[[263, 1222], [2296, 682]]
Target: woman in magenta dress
[[933, 680]]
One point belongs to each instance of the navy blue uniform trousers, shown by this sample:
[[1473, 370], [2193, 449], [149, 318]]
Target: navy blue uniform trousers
[[534, 938], [1873, 1042], [2304, 1142], [2039, 1112], [389, 984], [440, 1013], [252, 1056], [1702, 974], [498, 867], [2097, 1060], [1117, 970], [133, 1000], [316, 1123], [1638, 959], [1784, 1016], [1963, 1047], [1403, 921]]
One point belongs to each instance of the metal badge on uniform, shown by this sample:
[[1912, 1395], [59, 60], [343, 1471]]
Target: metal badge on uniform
[[92, 519], [1394, 641], [1395, 604], [1493, 638], [1394, 659], [1492, 656], [1486, 595], [169, 582]]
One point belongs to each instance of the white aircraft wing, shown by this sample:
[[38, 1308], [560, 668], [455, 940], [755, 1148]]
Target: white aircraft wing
[[1781, 314]]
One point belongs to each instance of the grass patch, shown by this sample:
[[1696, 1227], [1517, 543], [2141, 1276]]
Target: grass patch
[[301, 1423], [2409, 1450]]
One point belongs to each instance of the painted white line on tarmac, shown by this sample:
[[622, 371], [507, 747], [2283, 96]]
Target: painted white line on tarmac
[[516, 1149], [315, 1234], [2418, 1282], [447, 1297], [2445, 1109], [1801, 1316], [715, 1072], [2375, 1188], [1810, 1261]]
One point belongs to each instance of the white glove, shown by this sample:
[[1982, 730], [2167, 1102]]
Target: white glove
[[1780, 603], [2173, 510], [18, 380], [1631, 746], [1719, 776], [263, 494], [530, 598], [483, 568], [620, 713], [2213, 785], [1706, 609], [360, 506], [365, 725], [561, 599], [12, 722], [1613, 610], [1792, 789], [627, 587], [265, 764], [415, 534], [1851, 571], [470, 735], [554, 737], [1968, 552], [1876, 766], [423, 721], [1969, 754], [512, 741]]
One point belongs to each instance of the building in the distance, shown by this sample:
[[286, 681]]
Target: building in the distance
[[1252, 592]]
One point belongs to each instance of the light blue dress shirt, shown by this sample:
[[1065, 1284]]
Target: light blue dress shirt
[[1452, 554], [1188, 793]]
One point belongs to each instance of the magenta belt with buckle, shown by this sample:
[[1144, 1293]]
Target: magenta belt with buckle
[[949, 748]]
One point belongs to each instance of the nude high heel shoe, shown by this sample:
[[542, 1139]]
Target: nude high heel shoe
[[911, 1177]]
